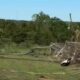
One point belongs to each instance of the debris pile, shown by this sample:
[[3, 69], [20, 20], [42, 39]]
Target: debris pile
[[69, 50]]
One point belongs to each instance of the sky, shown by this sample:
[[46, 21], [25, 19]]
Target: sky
[[24, 9]]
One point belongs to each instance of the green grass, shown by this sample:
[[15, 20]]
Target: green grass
[[30, 68], [13, 49]]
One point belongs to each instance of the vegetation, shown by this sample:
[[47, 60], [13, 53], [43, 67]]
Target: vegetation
[[27, 68], [42, 30]]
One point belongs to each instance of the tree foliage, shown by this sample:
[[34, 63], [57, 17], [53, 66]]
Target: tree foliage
[[42, 30]]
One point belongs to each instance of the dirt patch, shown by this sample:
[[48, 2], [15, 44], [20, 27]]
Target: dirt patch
[[44, 78]]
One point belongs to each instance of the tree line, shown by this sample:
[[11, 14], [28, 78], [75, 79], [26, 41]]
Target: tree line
[[42, 30]]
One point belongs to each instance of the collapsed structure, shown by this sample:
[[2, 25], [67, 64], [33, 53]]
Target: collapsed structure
[[68, 50]]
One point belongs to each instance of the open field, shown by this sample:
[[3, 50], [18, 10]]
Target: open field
[[34, 68]]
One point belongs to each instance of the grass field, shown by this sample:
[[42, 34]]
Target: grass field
[[35, 68]]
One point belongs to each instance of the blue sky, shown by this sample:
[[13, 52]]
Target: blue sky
[[24, 9]]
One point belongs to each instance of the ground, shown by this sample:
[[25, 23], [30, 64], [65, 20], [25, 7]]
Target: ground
[[27, 67]]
